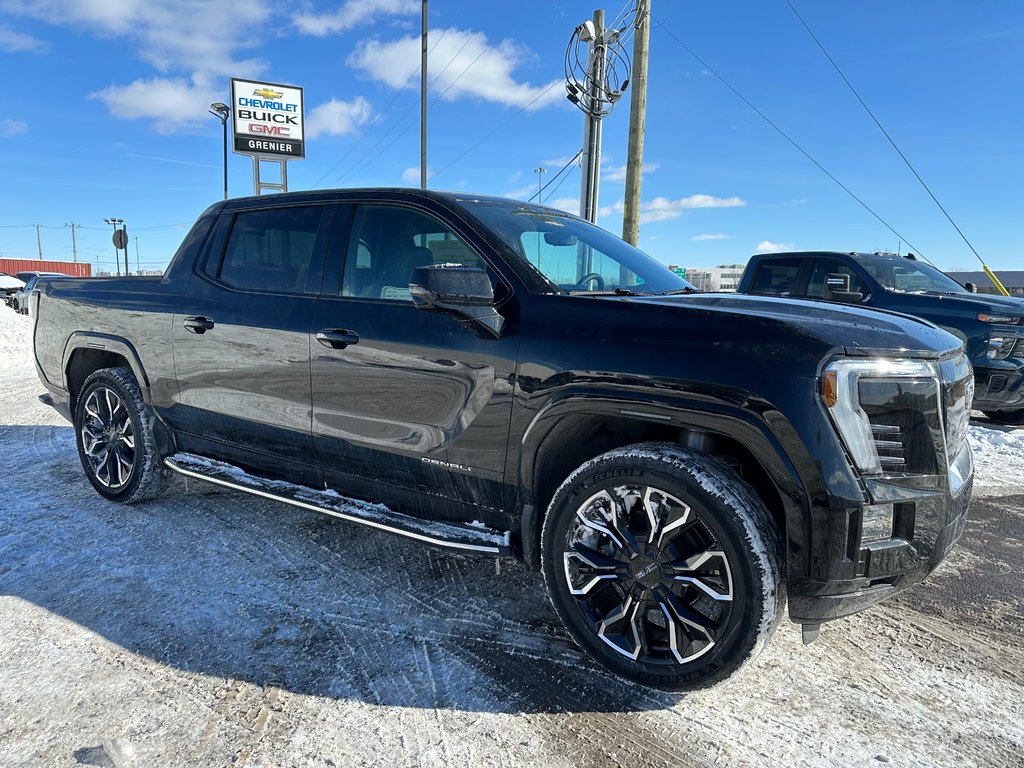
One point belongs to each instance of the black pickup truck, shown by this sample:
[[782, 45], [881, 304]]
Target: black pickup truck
[[505, 379], [991, 327]]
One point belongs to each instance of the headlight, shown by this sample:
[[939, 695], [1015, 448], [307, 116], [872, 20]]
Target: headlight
[[887, 413], [1000, 347], [1002, 319]]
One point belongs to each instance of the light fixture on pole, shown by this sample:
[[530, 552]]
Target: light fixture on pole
[[117, 256], [540, 186], [222, 111]]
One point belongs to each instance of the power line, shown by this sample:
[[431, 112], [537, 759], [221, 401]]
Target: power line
[[381, 113], [485, 138], [882, 128], [788, 138], [360, 166], [554, 178]]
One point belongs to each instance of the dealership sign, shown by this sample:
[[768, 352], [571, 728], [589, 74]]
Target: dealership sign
[[267, 119]]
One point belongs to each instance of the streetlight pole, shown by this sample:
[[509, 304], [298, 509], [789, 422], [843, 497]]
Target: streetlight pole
[[540, 186], [117, 254], [221, 112]]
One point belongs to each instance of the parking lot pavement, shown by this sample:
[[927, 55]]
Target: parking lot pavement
[[209, 628]]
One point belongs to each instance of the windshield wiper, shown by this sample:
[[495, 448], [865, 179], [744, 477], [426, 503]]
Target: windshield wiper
[[677, 291]]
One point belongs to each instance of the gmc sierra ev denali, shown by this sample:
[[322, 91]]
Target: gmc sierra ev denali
[[506, 379]]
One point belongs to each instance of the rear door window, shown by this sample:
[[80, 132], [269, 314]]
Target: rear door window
[[273, 249], [778, 277]]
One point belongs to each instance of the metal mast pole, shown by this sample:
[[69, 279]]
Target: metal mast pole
[[74, 243], [39, 242], [423, 101], [591, 160], [224, 124], [637, 123], [125, 228]]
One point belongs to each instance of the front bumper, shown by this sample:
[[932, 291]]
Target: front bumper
[[999, 389], [927, 524]]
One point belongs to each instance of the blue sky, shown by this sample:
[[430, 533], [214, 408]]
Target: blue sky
[[105, 115]]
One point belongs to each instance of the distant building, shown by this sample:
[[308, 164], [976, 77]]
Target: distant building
[[1012, 280], [723, 278]]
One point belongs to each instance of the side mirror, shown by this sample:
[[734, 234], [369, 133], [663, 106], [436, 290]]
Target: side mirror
[[465, 292], [837, 288], [971, 287]]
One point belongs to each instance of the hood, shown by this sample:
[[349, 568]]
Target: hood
[[972, 302], [799, 328], [6, 281]]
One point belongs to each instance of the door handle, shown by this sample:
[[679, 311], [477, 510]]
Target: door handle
[[199, 324], [337, 338]]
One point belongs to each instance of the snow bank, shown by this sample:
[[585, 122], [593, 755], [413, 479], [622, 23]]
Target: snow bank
[[998, 455]]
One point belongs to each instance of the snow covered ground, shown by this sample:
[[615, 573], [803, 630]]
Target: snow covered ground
[[211, 629]]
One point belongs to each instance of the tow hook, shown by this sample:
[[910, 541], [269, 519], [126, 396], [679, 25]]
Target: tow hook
[[809, 632]]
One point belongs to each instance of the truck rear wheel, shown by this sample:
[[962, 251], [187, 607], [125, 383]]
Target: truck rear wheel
[[114, 434], [664, 565]]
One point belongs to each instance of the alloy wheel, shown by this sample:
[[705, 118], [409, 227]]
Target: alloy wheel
[[648, 575], [108, 438]]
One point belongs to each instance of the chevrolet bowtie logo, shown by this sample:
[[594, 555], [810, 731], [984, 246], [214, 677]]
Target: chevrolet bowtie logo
[[268, 93]]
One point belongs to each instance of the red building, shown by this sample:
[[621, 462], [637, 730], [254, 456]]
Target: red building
[[72, 268]]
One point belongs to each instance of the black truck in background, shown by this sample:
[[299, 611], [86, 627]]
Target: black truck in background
[[991, 327], [506, 379]]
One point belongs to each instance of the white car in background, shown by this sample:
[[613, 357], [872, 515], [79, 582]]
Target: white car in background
[[19, 302], [9, 285]]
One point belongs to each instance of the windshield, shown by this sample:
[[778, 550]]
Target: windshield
[[908, 276], [572, 254]]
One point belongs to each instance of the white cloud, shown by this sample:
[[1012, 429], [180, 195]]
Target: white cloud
[[13, 41], [171, 104], [559, 162], [461, 63], [352, 13], [663, 209], [411, 175], [337, 118], [767, 246], [702, 238], [194, 44], [617, 173], [11, 127]]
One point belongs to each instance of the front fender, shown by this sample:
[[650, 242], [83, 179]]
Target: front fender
[[754, 427]]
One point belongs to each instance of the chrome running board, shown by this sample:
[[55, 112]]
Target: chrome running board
[[464, 538]]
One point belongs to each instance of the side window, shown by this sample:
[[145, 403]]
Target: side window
[[777, 277], [271, 249], [388, 242], [825, 267]]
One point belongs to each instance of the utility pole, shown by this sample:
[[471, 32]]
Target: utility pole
[[117, 251], [124, 227], [39, 242], [423, 100], [637, 123], [138, 266], [540, 186], [74, 244], [592, 101]]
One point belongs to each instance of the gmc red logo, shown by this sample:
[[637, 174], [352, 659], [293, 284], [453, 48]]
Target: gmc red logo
[[268, 130]]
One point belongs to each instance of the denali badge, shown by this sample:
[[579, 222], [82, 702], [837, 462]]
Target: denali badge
[[446, 464]]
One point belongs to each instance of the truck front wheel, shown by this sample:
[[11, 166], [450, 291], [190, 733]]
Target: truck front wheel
[[114, 433], [664, 565]]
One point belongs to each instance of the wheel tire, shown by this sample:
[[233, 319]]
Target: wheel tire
[[114, 434], [15, 307], [701, 581], [1006, 417]]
